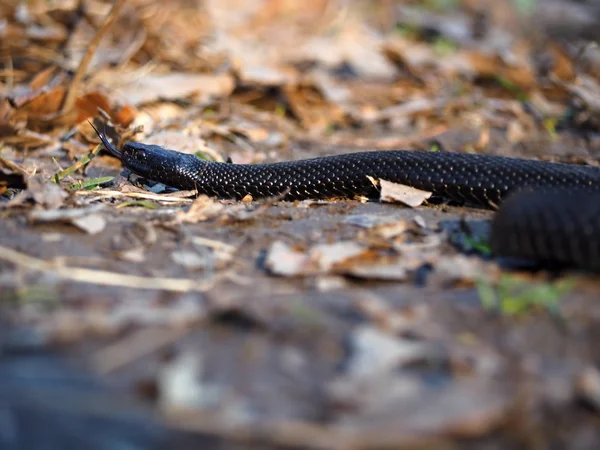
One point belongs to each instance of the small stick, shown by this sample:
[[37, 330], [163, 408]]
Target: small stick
[[71, 96], [104, 277], [144, 195]]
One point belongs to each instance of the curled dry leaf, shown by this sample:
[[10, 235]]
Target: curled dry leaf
[[399, 193]]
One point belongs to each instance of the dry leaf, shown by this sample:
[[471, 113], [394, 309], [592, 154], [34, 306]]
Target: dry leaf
[[175, 86], [86, 219], [91, 224], [45, 193], [44, 104], [343, 258], [203, 208], [409, 196], [327, 256], [284, 260]]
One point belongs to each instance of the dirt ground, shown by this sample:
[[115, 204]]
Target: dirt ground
[[137, 315]]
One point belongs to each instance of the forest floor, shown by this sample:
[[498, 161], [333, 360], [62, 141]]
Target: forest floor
[[270, 324]]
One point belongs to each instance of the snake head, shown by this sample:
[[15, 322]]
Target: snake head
[[159, 164]]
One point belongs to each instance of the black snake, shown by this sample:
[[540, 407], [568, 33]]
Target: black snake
[[551, 212]]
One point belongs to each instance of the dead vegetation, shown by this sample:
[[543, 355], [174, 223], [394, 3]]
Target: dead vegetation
[[340, 324]]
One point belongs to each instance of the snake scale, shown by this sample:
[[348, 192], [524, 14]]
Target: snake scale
[[549, 212]]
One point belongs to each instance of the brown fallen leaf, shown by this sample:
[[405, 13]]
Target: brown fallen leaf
[[88, 104], [46, 193], [409, 196], [44, 104]]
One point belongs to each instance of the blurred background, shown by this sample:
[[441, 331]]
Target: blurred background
[[252, 361]]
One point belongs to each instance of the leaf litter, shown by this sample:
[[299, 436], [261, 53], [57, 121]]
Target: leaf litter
[[270, 81]]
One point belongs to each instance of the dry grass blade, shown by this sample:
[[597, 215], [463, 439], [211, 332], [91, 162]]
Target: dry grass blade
[[79, 164], [103, 277], [147, 196], [71, 96]]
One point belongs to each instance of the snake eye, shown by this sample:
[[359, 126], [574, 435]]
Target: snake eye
[[137, 159]]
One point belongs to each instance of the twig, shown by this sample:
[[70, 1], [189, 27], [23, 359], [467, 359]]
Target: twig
[[103, 277], [148, 196], [69, 99]]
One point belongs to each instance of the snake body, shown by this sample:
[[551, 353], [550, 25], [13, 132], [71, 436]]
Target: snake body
[[552, 212]]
